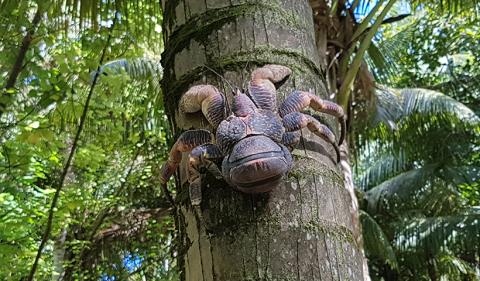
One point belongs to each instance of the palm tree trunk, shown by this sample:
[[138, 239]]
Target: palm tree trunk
[[304, 229]]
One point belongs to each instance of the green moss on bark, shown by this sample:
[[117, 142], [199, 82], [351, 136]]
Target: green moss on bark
[[257, 56], [200, 26], [306, 166]]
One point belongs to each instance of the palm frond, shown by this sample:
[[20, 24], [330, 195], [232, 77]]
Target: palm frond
[[139, 68], [416, 122], [376, 242], [428, 191], [431, 102], [380, 62], [467, 174], [434, 138], [392, 195], [436, 234], [384, 55], [141, 16], [385, 167], [449, 6], [451, 267], [393, 104], [388, 108]]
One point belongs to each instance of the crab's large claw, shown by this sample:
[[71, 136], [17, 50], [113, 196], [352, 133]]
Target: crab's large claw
[[299, 101], [202, 156], [265, 80]]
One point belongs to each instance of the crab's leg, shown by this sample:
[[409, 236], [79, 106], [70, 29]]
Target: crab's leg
[[299, 101], [206, 98], [295, 121], [202, 156], [263, 85], [291, 139], [185, 143]]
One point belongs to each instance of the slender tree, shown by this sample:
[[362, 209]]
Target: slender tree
[[306, 228]]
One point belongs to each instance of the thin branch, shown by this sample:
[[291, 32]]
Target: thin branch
[[395, 19], [48, 228], [344, 92], [27, 40], [364, 24], [388, 21], [17, 66]]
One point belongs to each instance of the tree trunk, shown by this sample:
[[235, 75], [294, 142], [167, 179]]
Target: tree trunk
[[304, 229]]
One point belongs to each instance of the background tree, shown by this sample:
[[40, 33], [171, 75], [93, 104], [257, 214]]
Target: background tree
[[422, 178], [110, 219]]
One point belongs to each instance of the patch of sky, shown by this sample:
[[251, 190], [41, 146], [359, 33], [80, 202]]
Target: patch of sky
[[131, 263], [364, 7]]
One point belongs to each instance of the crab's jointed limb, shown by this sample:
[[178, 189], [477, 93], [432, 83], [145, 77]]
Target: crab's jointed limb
[[296, 121], [300, 100], [211, 102], [265, 80], [291, 139], [185, 143], [206, 98], [202, 156]]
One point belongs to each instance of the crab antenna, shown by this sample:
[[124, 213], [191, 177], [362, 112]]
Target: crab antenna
[[223, 78], [245, 83], [227, 82]]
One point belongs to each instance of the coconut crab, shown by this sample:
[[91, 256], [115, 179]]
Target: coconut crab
[[254, 142]]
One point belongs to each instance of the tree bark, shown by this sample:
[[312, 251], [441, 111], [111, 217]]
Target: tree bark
[[304, 229]]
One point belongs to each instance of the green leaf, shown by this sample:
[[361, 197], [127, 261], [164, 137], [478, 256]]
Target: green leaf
[[376, 242]]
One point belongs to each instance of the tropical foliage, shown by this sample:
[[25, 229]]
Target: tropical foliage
[[87, 89], [82, 132], [418, 160]]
